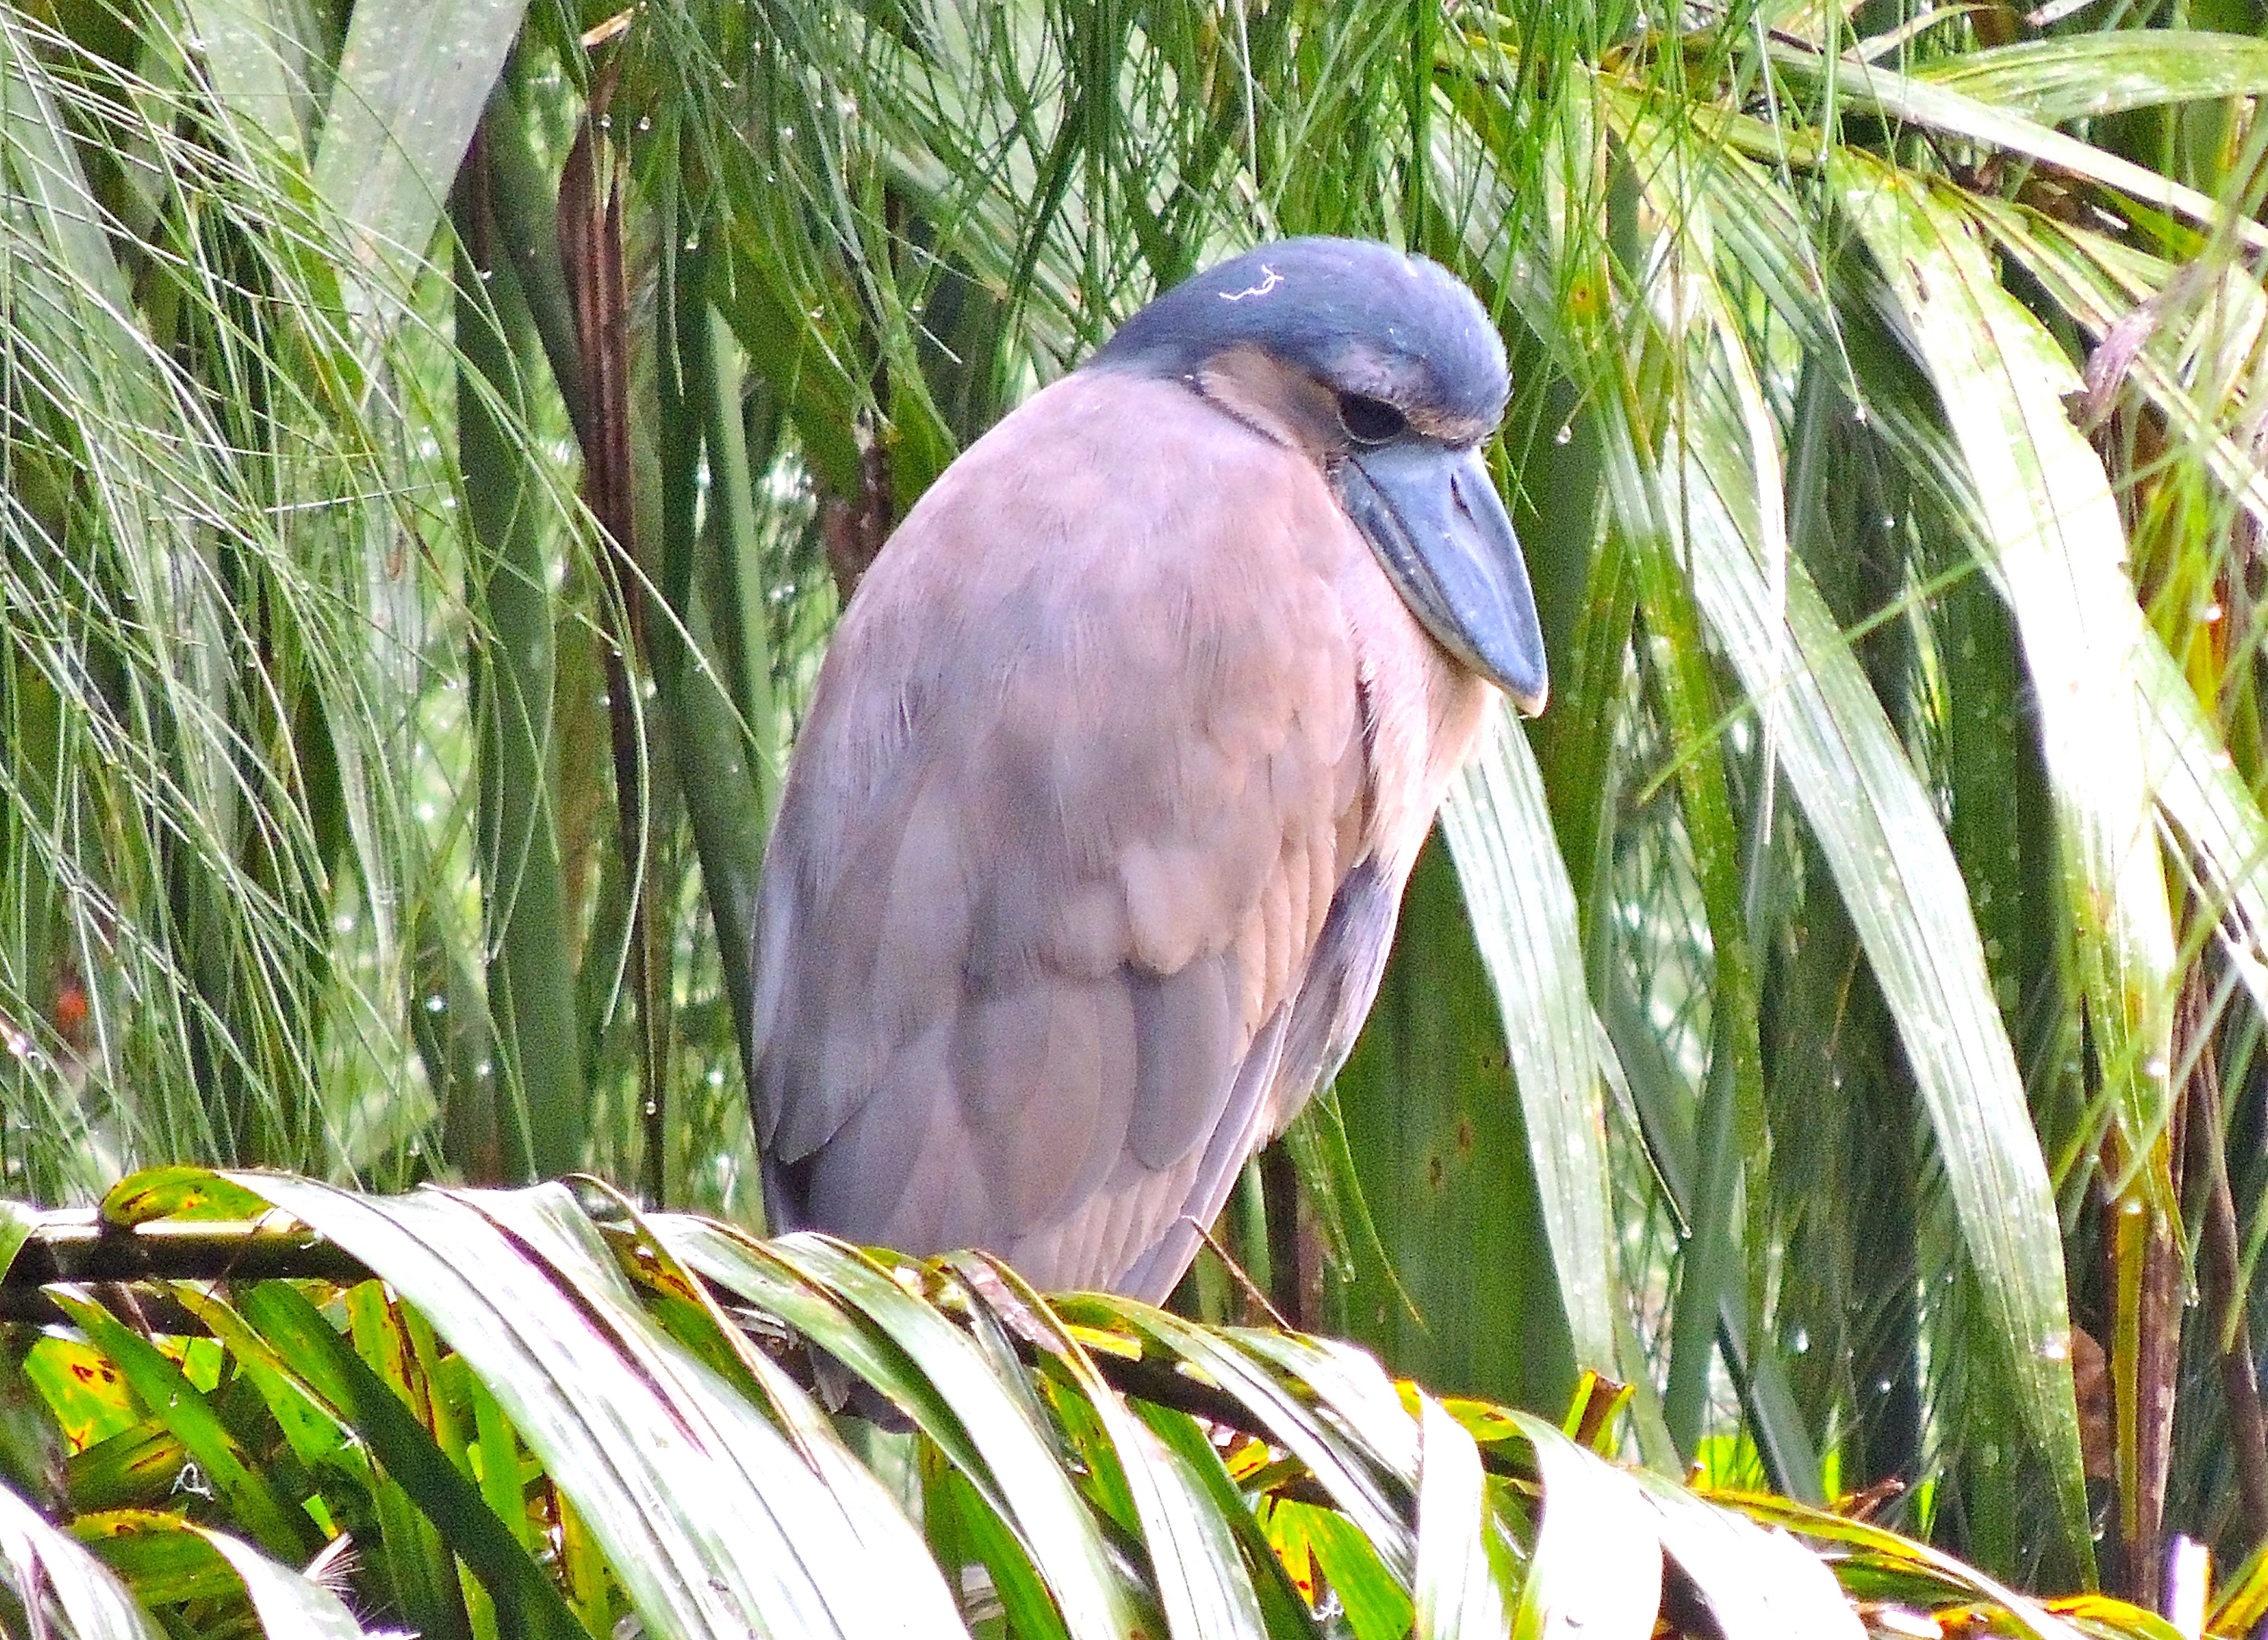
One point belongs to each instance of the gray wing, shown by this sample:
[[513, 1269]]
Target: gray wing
[[1303, 1049], [1341, 983], [1080, 782]]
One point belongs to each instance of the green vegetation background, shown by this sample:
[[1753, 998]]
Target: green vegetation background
[[433, 437]]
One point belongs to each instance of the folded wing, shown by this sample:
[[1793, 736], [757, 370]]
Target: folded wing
[[1083, 780]]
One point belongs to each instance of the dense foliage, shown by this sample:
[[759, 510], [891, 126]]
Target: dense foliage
[[435, 436], [486, 1414]]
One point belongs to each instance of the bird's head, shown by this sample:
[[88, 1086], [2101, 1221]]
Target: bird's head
[[1386, 371]]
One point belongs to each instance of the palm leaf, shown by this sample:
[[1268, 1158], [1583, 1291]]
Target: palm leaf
[[614, 1366]]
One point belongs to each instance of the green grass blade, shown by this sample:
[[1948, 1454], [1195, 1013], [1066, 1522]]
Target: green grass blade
[[1524, 919], [419, 1565]]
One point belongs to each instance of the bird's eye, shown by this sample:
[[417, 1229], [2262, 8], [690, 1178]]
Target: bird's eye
[[1369, 421]]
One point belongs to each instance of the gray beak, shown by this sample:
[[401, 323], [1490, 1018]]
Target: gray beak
[[1432, 516]]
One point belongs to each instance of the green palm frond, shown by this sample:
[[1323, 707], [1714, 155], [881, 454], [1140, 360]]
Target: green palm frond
[[531, 1413]]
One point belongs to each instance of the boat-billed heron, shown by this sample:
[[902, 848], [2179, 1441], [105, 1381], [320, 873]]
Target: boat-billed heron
[[1096, 833]]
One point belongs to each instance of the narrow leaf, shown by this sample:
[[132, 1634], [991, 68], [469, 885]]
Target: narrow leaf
[[169, 1398], [289, 1606], [2060, 552], [315, 1351], [2208, 800], [1199, 1573], [1873, 89], [1595, 1572], [1523, 910], [659, 1458], [1757, 1583], [2077, 76], [42, 1565], [1455, 1587], [1002, 1449], [411, 82]]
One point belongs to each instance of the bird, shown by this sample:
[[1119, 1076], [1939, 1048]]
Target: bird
[[1093, 839]]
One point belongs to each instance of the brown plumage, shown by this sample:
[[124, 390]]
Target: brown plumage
[[1090, 854]]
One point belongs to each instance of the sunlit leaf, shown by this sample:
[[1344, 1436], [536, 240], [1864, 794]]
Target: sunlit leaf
[[1752, 1581], [411, 81], [1597, 1563], [2074, 76], [46, 1571], [772, 1552]]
